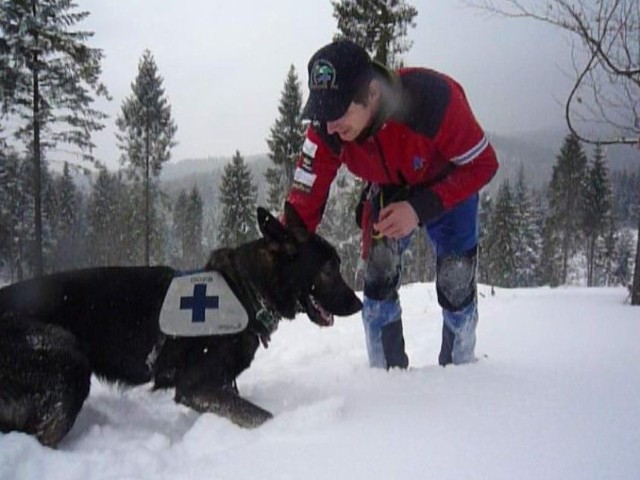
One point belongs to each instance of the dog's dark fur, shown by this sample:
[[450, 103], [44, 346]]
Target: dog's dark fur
[[56, 330]]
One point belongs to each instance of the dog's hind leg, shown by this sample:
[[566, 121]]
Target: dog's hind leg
[[44, 379], [226, 403], [16, 408]]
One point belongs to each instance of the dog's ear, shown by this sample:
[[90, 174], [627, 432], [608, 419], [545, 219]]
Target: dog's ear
[[270, 226], [291, 217], [275, 232], [295, 223]]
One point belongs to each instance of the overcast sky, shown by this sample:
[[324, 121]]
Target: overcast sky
[[224, 64]]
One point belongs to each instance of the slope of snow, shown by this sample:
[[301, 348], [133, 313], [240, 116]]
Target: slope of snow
[[555, 395]]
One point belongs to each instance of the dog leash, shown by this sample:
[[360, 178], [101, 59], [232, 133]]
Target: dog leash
[[368, 234]]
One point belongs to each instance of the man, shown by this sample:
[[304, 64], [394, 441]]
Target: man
[[412, 136]]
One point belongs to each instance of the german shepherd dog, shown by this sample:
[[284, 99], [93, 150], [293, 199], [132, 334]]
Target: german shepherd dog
[[56, 330]]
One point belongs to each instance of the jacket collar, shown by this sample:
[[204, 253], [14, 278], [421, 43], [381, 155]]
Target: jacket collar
[[389, 100]]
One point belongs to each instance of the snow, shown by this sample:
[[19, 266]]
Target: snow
[[555, 395]]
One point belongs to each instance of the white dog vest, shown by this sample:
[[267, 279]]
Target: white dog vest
[[200, 304]]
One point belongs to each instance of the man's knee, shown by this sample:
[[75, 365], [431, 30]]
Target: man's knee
[[382, 273], [456, 280]]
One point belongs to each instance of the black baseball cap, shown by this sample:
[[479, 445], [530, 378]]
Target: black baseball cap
[[336, 72]]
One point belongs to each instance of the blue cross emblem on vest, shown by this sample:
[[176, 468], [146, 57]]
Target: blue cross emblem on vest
[[199, 303]]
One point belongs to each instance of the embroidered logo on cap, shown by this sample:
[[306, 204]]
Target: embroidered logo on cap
[[323, 75]]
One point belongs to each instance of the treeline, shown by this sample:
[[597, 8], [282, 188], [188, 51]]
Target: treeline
[[577, 229], [105, 223]]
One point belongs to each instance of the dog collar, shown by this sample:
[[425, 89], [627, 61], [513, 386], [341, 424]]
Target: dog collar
[[267, 318]]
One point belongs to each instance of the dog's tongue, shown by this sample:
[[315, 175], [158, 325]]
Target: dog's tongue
[[324, 318], [327, 318]]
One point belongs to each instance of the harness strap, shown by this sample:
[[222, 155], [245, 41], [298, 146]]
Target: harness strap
[[266, 318]]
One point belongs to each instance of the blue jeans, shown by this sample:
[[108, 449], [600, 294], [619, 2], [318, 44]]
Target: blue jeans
[[455, 238]]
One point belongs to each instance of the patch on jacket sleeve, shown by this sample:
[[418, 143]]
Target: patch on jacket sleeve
[[303, 180], [472, 153], [307, 164], [309, 148]]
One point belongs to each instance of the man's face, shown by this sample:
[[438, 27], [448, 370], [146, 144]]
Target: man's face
[[353, 122]]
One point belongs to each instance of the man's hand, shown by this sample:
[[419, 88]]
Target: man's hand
[[397, 220]]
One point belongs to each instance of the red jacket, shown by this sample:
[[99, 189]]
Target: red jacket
[[427, 138]]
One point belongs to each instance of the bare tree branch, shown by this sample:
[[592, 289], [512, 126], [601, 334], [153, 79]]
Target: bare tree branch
[[607, 68], [609, 31]]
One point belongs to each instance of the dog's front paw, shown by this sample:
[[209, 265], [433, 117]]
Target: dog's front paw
[[227, 404]]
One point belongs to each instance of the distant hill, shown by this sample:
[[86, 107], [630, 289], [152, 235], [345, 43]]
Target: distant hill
[[537, 151], [206, 175], [182, 168]]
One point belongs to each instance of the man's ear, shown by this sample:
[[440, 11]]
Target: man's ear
[[270, 226], [375, 92]]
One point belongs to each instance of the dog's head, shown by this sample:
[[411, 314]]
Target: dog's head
[[310, 266]]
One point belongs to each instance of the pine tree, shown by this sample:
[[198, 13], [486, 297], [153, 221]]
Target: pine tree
[[635, 286], [484, 220], [196, 207], [113, 220], [550, 269], [285, 141], [339, 225], [625, 188], [595, 213], [16, 214], [275, 193], [99, 216], [49, 82], [146, 137], [622, 269], [179, 224], [565, 194], [64, 214], [609, 246], [238, 196], [105, 242], [133, 217], [502, 239], [188, 222], [3, 140], [527, 235], [379, 26]]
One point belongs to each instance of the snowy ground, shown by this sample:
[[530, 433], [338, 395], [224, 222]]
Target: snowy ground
[[555, 395]]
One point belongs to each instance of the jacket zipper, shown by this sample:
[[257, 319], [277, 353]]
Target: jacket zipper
[[383, 160]]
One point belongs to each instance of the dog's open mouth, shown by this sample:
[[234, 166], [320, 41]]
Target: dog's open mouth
[[316, 312]]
